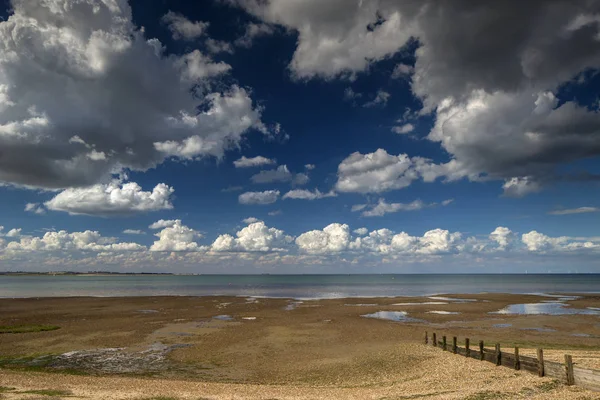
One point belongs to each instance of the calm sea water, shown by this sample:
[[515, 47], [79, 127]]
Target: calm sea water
[[293, 286]]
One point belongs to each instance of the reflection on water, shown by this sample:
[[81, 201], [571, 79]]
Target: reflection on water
[[398, 316], [442, 312], [362, 305], [432, 303], [501, 325], [451, 299], [545, 308], [224, 317]]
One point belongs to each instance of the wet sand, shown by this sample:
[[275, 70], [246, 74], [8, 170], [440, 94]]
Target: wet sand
[[133, 348]]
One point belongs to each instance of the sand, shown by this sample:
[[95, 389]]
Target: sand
[[135, 348]]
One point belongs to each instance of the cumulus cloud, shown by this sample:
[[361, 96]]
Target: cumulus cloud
[[129, 103], [218, 46], [183, 28], [403, 129], [502, 236], [300, 179], [303, 194], [112, 199], [262, 198], [350, 95], [177, 237], [254, 237], [75, 241], [245, 162], [250, 220], [309, 167], [333, 238], [164, 223], [491, 84], [379, 172], [361, 231], [35, 208]]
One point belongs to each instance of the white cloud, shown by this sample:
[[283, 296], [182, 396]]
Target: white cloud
[[309, 167], [350, 95], [266, 197], [303, 194], [380, 99], [274, 213], [15, 232], [402, 71], [134, 232], [255, 237], [404, 129], [333, 238], [281, 174], [75, 241], [245, 162], [250, 220], [300, 179], [536, 241], [176, 237], [502, 236], [183, 28], [129, 103], [379, 172], [338, 37], [361, 231], [519, 187], [252, 32], [112, 199], [35, 208], [579, 210], [164, 223], [383, 208], [218, 46]]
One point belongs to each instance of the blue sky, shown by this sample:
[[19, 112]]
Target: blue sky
[[469, 147]]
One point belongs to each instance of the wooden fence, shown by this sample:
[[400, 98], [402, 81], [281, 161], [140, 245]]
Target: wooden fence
[[567, 373]]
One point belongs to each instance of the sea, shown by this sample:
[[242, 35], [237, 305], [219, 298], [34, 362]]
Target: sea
[[301, 287]]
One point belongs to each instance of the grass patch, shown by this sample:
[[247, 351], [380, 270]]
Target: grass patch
[[27, 328], [49, 392], [5, 389], [548, 386]]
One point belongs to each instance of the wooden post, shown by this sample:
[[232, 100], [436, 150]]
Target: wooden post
[[467, 349], [540, 359], [481, 354], [498, 354], [569, 369], [517, 360], [454, 346], [444, 345], [434, 339], [426, 338]]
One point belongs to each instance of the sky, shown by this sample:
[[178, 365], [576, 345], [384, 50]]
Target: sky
[[287, 136]]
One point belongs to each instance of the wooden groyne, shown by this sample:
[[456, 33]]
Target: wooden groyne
[[567, 372]]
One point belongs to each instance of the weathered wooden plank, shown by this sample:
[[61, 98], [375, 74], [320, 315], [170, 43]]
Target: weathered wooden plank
[[481, 351], [434, 340], [444, 343], [555, 370], [587, 378], [517, 361], [467, 347], [426, 338], [498, 355], [454, 347]]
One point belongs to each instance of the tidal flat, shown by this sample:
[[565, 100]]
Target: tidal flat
[[266, 348]]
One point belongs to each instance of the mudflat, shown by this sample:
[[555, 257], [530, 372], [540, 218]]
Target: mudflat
[[264, 348]]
